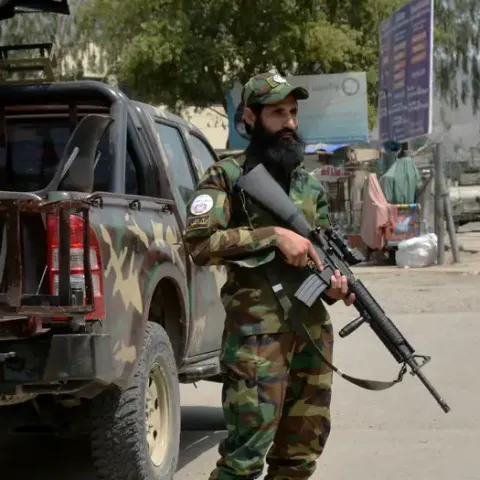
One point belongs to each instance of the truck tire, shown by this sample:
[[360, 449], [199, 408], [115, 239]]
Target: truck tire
[[136, 432]]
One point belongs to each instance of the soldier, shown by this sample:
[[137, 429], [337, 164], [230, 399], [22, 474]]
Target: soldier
[[277, 390]]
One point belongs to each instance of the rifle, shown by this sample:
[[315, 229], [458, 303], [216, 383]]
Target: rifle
[[332, 247]]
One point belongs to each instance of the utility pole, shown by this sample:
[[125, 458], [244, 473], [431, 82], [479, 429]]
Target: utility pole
[[443, 209], [439, 206]]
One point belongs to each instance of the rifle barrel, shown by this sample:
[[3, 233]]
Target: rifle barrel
[[413, 364]]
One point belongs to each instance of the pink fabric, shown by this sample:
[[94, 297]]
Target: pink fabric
[[378, 216]]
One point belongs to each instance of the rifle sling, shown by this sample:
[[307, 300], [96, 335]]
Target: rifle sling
[[304, 334]]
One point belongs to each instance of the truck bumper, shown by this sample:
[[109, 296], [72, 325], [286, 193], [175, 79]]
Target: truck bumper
[[54, 360]]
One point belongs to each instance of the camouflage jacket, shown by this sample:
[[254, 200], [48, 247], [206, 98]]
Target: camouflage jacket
[[225, 227]]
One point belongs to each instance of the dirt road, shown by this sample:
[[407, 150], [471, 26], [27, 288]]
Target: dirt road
[[400, 434]]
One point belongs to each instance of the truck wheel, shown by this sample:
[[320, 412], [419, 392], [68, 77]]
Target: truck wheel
[[136, 432]]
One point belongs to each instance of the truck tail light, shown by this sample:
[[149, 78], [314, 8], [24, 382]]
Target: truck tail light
[[77, 272]]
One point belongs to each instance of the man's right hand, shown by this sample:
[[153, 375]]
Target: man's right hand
[[296, 249]]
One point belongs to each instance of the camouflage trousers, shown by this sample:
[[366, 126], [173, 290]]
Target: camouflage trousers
[[276, 403]]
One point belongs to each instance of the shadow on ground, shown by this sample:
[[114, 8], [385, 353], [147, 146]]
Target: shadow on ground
[[40, 457]]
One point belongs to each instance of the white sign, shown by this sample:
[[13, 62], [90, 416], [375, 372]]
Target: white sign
[[336, 112]]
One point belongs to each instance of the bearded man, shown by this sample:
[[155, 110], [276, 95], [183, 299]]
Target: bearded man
[[277, 389]]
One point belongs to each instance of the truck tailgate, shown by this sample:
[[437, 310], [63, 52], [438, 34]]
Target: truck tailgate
[[22, 255]]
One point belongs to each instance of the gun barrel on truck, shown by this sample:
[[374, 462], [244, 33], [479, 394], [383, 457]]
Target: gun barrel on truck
[[333, 249]]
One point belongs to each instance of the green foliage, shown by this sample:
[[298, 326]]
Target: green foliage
[[457, 38], [185, 52], [190, 52]]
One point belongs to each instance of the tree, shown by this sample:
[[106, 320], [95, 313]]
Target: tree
[[457, 38], [187, 52]]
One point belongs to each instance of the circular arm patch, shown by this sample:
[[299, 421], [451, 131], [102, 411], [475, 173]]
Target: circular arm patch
[[201, 205]]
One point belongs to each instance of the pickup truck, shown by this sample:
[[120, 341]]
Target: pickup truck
[[102, 311]]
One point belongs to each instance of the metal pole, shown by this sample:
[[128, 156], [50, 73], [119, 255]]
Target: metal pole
[[431, 202], [439, 209], [449, 218], [436, 189]]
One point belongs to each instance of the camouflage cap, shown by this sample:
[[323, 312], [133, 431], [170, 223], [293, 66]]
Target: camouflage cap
[[269, 88]]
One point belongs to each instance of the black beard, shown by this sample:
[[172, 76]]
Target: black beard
[[279, 154]]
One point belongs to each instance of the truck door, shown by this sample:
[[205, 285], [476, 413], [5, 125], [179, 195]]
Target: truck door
[[205, 306]]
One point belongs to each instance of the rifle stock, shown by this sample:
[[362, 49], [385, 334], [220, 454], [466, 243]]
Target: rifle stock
[[265, 191], [332, 246]]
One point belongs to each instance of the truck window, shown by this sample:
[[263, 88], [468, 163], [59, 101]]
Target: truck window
[[131, 176], [178, 159], [104, 170], [201, 152], [31, 150]]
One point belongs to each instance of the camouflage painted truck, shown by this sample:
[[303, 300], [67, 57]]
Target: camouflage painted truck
[[102, 312]]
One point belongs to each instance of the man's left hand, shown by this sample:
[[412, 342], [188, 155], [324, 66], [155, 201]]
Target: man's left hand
[[339, 289]]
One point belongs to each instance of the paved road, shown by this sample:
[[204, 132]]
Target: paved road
[[400, 434]]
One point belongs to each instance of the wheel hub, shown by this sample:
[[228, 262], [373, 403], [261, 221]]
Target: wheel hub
[[157, 414]]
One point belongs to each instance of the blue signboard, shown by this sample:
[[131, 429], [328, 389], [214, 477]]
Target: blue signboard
[[405, 94], [335, 113]]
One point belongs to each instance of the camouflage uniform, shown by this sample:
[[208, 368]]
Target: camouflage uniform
[[276, 388]]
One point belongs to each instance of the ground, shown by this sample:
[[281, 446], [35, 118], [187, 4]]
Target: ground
[[400, 434]]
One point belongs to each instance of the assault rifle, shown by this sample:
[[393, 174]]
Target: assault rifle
[[332, 247]]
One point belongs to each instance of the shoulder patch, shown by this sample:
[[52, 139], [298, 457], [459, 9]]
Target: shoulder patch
[[198, 222], [201, 204]]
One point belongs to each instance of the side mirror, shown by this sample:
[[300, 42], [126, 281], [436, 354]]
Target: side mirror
[[76, 167]]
